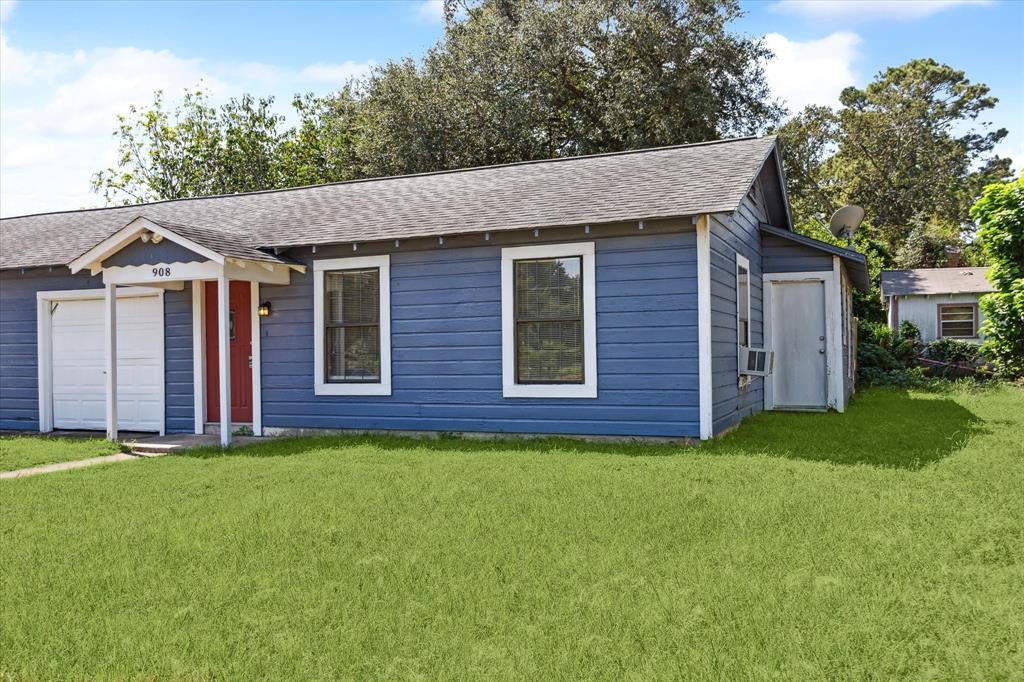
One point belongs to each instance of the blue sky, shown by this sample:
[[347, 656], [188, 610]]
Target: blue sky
[[68, 68]]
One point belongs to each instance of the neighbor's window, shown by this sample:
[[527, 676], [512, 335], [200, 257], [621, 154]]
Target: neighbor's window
[[958, 321], [549, 349], [549, 321], [352, 348], [742, 301], [352, 325]]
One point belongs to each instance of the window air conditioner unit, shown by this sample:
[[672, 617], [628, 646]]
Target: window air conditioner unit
[[756, 361]]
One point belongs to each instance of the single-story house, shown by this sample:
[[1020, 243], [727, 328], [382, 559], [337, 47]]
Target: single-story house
[[656, 293], [942, 302]]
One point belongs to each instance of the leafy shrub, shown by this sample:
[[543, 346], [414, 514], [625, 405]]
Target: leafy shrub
[[878, 333], [909, 330], [913, 377], [951, 350], [875, 356], [885, 356]]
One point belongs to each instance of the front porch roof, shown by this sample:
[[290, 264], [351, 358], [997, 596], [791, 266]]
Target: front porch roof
[[212, 246]]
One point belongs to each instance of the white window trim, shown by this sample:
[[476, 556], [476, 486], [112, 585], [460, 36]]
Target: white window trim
[[321, 387], [742, 262], [744, 379], [511, 389]]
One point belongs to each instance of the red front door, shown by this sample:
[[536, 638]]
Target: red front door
[[240, 341]]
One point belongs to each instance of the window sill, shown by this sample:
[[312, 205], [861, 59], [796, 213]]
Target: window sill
[[549, 391], [352, 389]]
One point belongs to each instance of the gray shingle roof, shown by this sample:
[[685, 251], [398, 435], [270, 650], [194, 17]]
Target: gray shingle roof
[[935, 281], [224, 244], [666, 182]]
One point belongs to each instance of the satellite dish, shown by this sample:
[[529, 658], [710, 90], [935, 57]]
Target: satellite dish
[[845, 221]]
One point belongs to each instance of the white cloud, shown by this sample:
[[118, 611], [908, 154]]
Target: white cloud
[[811, 72], [6, 7], [336, 74], [429, 11], [59, 110], [17, 66], [112, 81], [870, 9]]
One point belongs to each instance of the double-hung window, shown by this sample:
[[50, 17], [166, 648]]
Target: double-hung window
[[549, 328], [352, 316], [958, 321]]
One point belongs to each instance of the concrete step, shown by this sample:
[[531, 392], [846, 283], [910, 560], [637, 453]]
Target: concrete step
[[162, 445]]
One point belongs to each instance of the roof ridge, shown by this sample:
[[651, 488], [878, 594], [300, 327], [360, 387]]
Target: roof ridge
[[451, 171]]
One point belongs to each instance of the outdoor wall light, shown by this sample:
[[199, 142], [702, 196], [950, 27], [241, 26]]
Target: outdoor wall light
[[144, 237], [264, 309], [157, 238]]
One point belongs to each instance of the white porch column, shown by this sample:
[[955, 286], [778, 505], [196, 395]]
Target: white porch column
[[224, 356], [110, 320]]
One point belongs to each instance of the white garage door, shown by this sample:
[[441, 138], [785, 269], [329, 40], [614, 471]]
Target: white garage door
[[79, 393]]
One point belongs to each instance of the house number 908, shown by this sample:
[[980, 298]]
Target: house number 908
[[161, 272]]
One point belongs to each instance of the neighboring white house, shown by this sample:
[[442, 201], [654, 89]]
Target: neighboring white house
[[942, 302]]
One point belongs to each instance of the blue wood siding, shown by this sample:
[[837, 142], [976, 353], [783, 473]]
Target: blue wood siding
[[139, 253], [732, 234], [19, 387], [178, 379], [446, 348], [19, 372], [782, 255]]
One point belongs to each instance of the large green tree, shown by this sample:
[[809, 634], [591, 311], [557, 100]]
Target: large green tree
[[909, 148], [193, 149], [511, 80], [526, 79], [1000, 213]]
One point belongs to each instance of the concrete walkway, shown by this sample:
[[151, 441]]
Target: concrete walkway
[[141, 446], [76, 464]]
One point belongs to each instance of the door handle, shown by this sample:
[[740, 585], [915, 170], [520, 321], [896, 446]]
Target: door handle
[[250, 360]]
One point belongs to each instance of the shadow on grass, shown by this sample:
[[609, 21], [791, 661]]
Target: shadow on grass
[[886, 428], [882, 427]]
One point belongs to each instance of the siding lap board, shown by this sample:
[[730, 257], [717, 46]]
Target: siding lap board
[[19, 383], [19, 378], [732, 234], [178, 377], [139, 253], [446, 348]]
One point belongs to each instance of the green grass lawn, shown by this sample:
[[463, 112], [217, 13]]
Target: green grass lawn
[[21, 452], [887, 543]]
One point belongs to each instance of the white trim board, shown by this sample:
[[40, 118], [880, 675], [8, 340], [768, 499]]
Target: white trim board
[[199, 356], [44, 348], [834, 329], [743, 262], [129, 233], [160, 273], [322, 387], [704, 326], [256, 361], [511, 389]]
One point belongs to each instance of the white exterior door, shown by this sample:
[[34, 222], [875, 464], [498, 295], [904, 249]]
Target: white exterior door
[[799, 341], [77, 348]]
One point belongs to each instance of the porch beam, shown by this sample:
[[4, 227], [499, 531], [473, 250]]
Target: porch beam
[[224, 356], [110, 329]]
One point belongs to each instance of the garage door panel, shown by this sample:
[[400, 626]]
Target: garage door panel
[[79, 361]]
